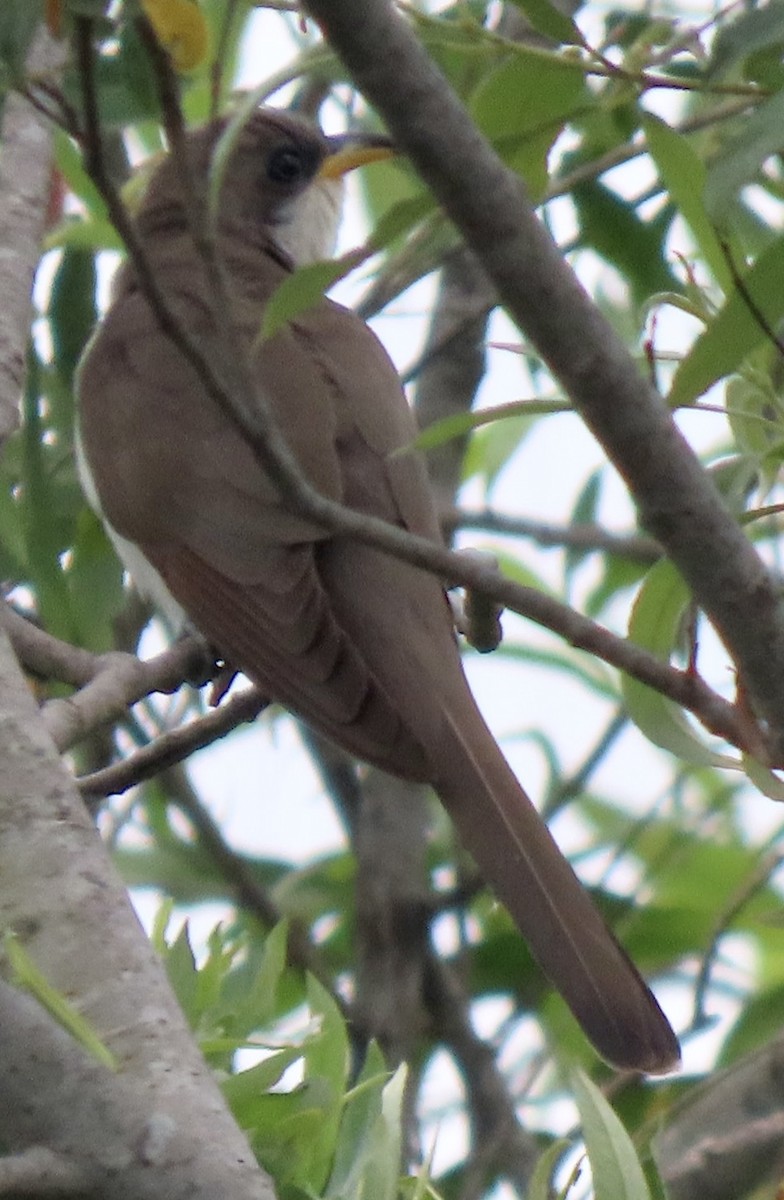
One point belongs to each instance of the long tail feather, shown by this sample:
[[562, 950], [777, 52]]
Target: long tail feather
[[558, 919]]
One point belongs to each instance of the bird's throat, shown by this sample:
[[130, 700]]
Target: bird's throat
[[309, 228]]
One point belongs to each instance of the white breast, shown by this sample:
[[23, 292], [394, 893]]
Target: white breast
[[309, 229]]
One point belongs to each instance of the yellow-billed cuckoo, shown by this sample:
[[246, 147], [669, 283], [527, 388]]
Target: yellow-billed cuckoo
[[357, 643]]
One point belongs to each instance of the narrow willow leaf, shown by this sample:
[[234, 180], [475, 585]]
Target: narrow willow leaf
[[522, 107], [742, 157], [27, 975], [300, 291], [655, 623], [735, 331], [242, 1089], [753, 29], [770, 784], [684, 175], [610, 225], [368, 1154], [616, 1169], [462, 423], [541, 1186], [181, 970]]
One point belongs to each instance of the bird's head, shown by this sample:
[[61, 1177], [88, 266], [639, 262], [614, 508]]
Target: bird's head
[[278, 176]]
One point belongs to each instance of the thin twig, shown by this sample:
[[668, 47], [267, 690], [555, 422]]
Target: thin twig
[[583, 536], [173, 746], [740, 284]]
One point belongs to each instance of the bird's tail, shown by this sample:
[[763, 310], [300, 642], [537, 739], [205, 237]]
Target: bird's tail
[[522, 863]]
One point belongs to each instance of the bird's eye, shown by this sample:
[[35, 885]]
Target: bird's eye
[[287, 164]]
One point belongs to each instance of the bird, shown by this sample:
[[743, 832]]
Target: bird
[[356, 643]]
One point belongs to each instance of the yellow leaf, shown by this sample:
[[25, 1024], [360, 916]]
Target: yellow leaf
[[181, 29], [54, 17]]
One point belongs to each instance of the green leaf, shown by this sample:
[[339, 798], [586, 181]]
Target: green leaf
[[757, 422], [491, 448], [584, 512], [583, 668], [181, 970], [125, 82], [401, 218], [299, 291], [421, 253], [655, 623], [735, 330], [71, 310], [368, 1150], [542, 1185], [522, 107], [327, 1065], [78, 234], [327, 1053], [95, 584], [618, 574], [684, 174], [41, 511], [610, 226], [616, 1169], [740, 160], [261, 1000], [246, 1088], [287, 1133], [765, 780], [759, 1023], [548, 20], [460, 424], [70, 164], [752, 29], [27, 975]]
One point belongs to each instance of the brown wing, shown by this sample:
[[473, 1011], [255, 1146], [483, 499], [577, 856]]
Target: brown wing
[[177, 480]]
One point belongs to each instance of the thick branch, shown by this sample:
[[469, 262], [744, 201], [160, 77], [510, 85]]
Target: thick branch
[[726, 1139], [109, 683], [678, 504], [158, 1126], [25, 166]]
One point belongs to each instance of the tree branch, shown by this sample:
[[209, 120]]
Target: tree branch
[[172, 747], [157, 1126], [583, 536], [25, 166], [725, 1139], [40, 1173], [502, 1147]]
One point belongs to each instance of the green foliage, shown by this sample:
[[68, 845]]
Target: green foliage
[[522, 106], [324, 1134], [656, 622]]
